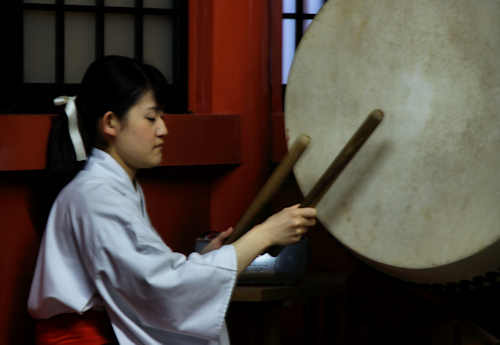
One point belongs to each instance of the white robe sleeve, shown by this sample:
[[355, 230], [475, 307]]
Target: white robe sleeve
[[142, 282]]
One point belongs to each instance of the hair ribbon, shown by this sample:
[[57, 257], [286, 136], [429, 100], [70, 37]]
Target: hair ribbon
[[74, 132]]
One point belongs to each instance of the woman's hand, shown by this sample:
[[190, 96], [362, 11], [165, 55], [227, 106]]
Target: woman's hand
[[283, 228], [289, 225], [217, 242]]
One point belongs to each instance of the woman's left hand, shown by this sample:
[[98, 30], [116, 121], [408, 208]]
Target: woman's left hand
[[217, 242]]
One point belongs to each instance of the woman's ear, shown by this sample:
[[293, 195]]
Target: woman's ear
[[109, 124]]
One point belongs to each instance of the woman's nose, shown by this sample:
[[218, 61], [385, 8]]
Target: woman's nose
[[162, 128]]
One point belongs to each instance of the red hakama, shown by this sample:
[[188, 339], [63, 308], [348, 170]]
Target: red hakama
[[91, 328]]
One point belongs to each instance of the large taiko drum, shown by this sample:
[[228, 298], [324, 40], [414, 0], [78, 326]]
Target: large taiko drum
[[421, 199]]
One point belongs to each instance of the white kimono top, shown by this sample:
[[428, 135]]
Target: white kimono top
[[100, 250]]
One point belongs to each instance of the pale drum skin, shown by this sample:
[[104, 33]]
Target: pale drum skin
[[421, 198]]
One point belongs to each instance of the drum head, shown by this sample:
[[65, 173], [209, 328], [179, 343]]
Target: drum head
[[421, 199]]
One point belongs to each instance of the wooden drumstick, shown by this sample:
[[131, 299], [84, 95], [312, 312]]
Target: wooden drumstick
[[343, 158], [270, 187]]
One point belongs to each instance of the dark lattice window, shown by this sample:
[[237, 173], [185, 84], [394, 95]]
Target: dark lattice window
[[55, 41], [297, 15]]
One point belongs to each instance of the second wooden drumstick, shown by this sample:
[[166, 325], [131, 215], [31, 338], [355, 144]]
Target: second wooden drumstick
[[340, 162], [343, 158], [270, 187]]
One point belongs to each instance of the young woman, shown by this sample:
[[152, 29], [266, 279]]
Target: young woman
[[101, 258]]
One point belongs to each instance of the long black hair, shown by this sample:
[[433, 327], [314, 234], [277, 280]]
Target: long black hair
[[114, 83]]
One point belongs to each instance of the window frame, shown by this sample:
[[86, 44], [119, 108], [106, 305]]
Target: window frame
[[40, 95], [299, 16]]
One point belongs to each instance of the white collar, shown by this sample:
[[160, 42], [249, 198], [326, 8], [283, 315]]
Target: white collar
[[109, 167]]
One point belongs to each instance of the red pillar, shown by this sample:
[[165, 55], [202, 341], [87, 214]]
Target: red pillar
[[240, 84]]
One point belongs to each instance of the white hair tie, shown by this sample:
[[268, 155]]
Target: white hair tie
[[74, 133]]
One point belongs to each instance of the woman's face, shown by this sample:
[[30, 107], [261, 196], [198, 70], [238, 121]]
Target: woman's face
[[139, 138]]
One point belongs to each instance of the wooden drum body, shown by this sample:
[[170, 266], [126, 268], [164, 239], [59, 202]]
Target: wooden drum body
[[421, 200]]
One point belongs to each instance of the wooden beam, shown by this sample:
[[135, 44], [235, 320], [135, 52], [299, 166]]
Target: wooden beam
[[193, 139]]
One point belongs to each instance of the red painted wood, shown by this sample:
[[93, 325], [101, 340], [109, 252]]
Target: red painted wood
[[200, 56], [279, 143], [18, 250], [275, 50], [23, 141], [202, 140], [241, 84], [192, 140]]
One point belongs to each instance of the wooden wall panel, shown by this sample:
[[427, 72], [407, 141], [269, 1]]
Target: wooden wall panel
[[200, 56], [18, 249], [202, 140], [192, 140], [23, 141], [240, 84]]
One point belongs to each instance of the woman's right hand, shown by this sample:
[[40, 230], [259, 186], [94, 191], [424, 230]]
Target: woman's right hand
[[283, 228], [289, 225]]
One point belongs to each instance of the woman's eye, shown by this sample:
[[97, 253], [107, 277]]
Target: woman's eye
[[151, 119]]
